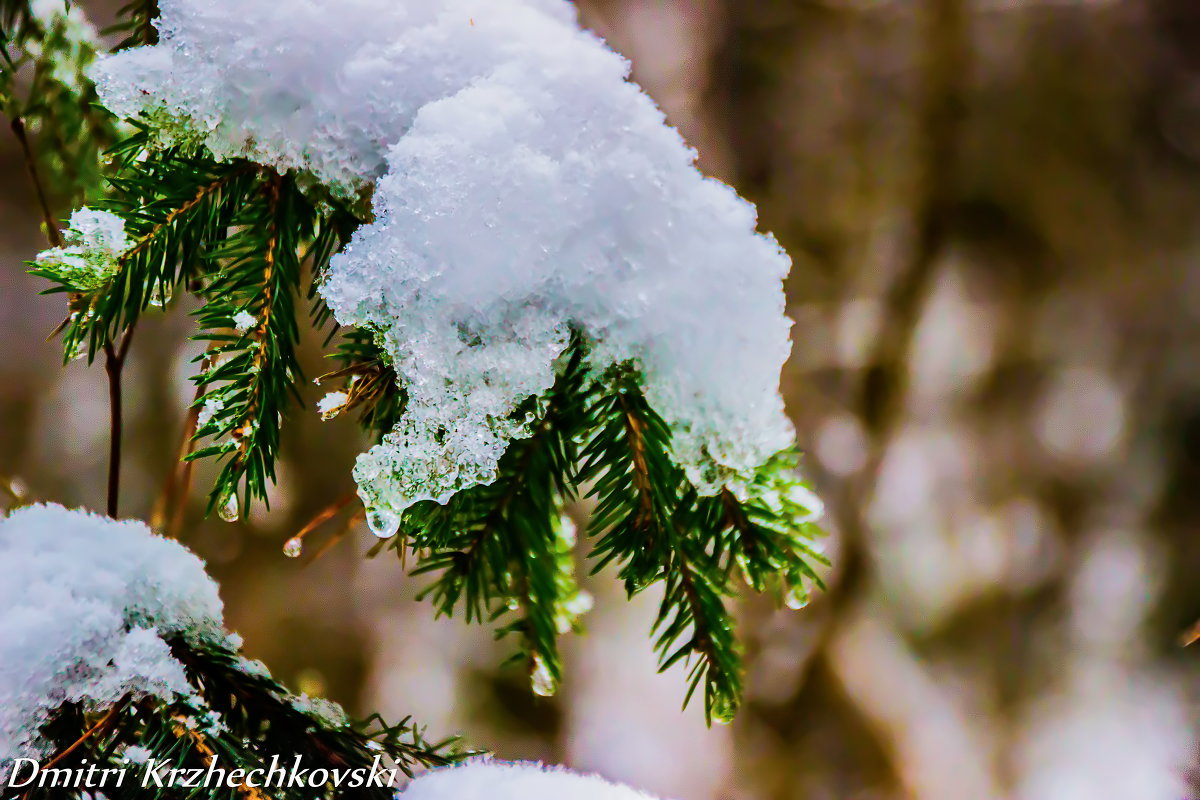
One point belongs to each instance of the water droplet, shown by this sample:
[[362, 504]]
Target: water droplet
[[796, 597], [542, 680], [293, 547], [383, 522], [723, 710], [229, 508]]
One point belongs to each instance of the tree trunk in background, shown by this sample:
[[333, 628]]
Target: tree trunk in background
[[993, 212]]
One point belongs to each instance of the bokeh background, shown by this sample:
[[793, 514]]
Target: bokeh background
[[993, 207]]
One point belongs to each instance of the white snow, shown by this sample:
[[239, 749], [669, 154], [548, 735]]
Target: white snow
[[525, 187], [213, 405], [85, 605], [320, 86], [484, 779], [243, 321], [92, 246], [326, 711]]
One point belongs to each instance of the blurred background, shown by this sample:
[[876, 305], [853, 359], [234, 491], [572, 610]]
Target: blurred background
[[993, 207]]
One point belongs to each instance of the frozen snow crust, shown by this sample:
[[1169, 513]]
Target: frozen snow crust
[[523, 186], [86, 604]]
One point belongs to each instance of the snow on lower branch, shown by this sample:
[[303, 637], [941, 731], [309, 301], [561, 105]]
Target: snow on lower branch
[[485, 779], [525, 188], [86, 606]]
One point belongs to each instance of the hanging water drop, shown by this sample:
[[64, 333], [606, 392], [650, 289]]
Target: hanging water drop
[[723, 710], [383, 522], [229, 508], [796, 597], [293, 547], [541, 679]]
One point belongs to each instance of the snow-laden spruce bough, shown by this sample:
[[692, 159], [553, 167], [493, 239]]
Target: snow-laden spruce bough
[[540, 298], [97, 614]]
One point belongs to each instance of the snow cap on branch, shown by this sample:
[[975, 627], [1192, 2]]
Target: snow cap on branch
[[93, 244], [494, 780], [526, 189], [307, 84], [86, 604]]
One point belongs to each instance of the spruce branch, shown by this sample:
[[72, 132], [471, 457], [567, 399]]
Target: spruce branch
[[505, 546], [368, 381], [646, 521], [176, 206], [237, 715], [250, 388]]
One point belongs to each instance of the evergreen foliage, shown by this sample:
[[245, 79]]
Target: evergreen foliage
[[240, 718], [250, 244]]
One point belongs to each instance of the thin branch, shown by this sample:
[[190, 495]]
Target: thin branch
[[52, 232], [209, 756], [359, 515], [104, 723], [884, 391], [171, 504], [114, 364], [272, 189], [1191, 636], [324, 515], [641, 470]]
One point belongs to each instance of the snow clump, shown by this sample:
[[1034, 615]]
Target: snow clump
[[93, 244], [523, 189], [484, 779], [87, 605]]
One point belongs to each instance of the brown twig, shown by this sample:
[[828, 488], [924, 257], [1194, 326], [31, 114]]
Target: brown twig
[[52, 232], [884, 390], [171, 504], [114, 364], [354, 519], [1191, 636], [208, 756], [320, 518], [201, 194], [107, 720], [272, 189]]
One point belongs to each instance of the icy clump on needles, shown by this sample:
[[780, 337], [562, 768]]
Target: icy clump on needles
[[86, 606], [525, 188]]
